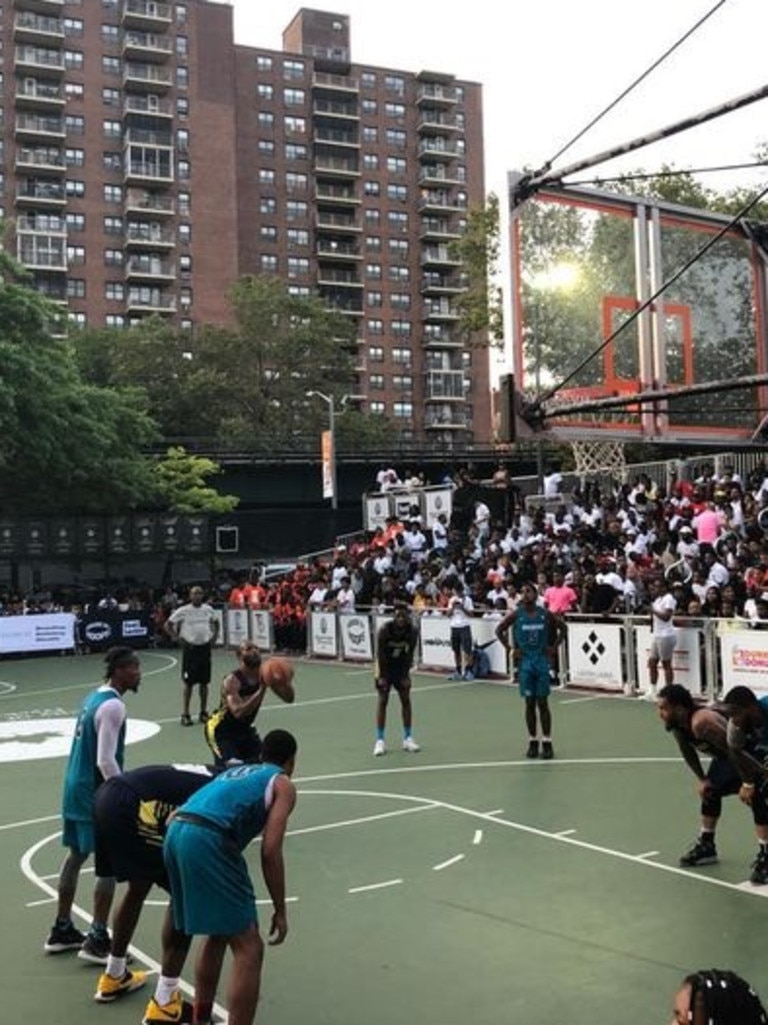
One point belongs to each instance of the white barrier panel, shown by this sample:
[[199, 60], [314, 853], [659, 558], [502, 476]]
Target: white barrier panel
[[355, 637], [237, 626], [261, 629], [436, 651], [52, 631], [220, 638], [686, 660], [323, 635], [436, 502], [594, 655], [376, 512], [744, 659]]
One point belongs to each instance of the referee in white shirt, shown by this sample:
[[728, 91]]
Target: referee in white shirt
[[195, 626]]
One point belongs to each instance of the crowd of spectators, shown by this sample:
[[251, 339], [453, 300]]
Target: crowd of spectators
[[594, 550]]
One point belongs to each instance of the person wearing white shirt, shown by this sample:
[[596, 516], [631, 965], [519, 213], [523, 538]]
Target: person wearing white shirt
[[440, 533], [663, 635], [459, 608]]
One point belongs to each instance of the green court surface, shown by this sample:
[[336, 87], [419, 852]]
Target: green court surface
[[462, 883]]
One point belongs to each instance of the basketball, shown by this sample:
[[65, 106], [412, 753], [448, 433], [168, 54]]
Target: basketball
[[277, 674]]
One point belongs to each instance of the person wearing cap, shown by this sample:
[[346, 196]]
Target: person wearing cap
[[96, 755]]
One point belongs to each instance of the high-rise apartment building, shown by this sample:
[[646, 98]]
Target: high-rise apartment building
[[147, 161]]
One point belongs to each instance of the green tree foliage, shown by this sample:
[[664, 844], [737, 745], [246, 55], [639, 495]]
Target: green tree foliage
[[67, 445], [182, 484], [481, 305]]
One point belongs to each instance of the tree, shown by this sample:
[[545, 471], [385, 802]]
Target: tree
[[182, 487], [67, 445], [481, 305]]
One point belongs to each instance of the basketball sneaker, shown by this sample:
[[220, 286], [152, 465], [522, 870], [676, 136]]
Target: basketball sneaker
[[547, 752], [409, 744], [63, 937], [533, 749], [96, 948], [174, 1012], [108, 988], [759, 876], [703, 852], [379, 748]]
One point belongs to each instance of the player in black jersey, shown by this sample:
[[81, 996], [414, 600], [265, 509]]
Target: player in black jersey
[[230, 731], [395, 648]]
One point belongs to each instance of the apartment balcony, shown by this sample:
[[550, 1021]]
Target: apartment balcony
[[345, 84], [147, 105], [447, 418], [40, 29], [148, 235], [149, 267], [323, 108], [443, 284], [30, 59], [440, 174], [336, 195], [42, 252], [337, 223], [49, 7], [149, 300], [342, 300], [49, 161], [442, 199], [146, 46], [337, 278], [437, 229], [35, 94], [147, 76], [440, 309], [150, 204], [41, 224], [335, 137], [34, 192], [146, 15], [439, 256], [335, 167], [434, 95], [336, 58], [336, 250], [444, 385], [437, 122], [436, 148], [439, 337], [37, 126]]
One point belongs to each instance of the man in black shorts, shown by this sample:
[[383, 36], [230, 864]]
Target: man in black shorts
[[195, 626], [230, 731], [395, 647], [131, 812]]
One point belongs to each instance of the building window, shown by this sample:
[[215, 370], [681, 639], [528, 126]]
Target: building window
[[374, 299], [402, 410], [266, 119], [182, 107], [185, 265], [182, 77], [113, 258], [185, 234], [373, 270], [373, 243], [402, 382], [185, 298], [299, 291], [298, 266], [112, 129], [293, 69], [372, 188], [75, 222], [372, 217], [263, 63], [294, 97], [398, 220], [268, 205], [369, 106], [266, 176], [114, 290], [268, 233], [397, 192], [399, 274], [394, 84], [374, 327], [401, 328], [295, 125], [400, 300], [75, 288], [110, 97], [268, 263], [113, 194], [76, 319], [368, 79], [376, 382], [376, 354], [371, 161], [113, 225], [182, 46], [398, 248], [73, 27], [181, 14], [75, 188], [296, 182], [394, 109], [75, 255], [295, 209], [74, 157], [110, 34], [266, 147], [297, 237], [185, 169], [185, 203], [74, 60], [403, 357], [115, 320], [74, 90], [182, 140], [110, 65], [74, 124], [396, 138], [295, 151], [377, 408], [370, 134], [397, 165]]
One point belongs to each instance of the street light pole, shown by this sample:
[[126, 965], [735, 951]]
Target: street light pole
[[328, 399]]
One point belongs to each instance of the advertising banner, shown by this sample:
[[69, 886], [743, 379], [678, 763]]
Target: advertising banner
[[261, 629], [686, 659], [237, 626], [54, 631], [594, 655], [436, 651], [376, 512], [436, 501], [194, 534], [744, 659], [91, 536], [355, 636], [103, 628], [62, 537], [9, 539], [323, 637], [34, 539], [119, 535], [144, 535]]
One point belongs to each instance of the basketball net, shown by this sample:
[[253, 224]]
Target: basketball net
[[594, 457]]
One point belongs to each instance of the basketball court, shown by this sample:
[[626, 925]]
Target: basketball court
[[460, 883]]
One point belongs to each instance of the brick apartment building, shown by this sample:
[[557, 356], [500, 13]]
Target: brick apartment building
[[147, 161]]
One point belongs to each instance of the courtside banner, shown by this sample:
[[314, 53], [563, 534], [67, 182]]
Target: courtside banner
[[220, 638], [686, 659], [436, 502], [54, 631], [594, 655], [436, 651], [355, 636], [483, 632], [376, 512], [261, 629], [744, 659], [237, 626], [323, 636]]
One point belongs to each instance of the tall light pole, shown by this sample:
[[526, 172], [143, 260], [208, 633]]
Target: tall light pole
[[329, 452]]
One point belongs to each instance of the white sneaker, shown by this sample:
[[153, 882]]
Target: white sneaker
[[409, 744], [379, 748]]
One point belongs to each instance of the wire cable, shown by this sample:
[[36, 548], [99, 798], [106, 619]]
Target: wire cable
[[668, 173], [634, 84]]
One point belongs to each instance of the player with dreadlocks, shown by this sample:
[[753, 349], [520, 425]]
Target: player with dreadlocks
[[717, 997]]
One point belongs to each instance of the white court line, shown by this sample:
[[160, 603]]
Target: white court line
[[496, 811], [478, 837], [565, 832], [447, 864], [374, 886], [31, 822], [648, 854], [579, 701], [60, 689]]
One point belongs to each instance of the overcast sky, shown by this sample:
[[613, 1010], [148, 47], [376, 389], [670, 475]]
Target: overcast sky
[[548, 67]]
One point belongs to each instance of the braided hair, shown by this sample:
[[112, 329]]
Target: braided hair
[[724, 998]]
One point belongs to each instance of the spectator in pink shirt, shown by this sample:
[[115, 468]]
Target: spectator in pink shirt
[[707, 525], [559, 597]]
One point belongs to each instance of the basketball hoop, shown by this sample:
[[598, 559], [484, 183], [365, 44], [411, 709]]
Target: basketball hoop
[[599, 457]]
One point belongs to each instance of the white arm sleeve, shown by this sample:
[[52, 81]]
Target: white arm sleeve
[[108, 720]]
